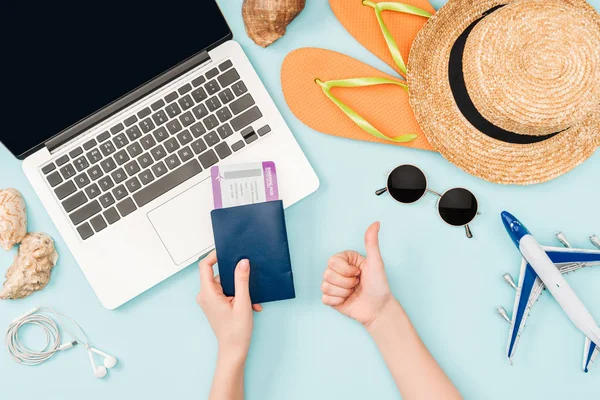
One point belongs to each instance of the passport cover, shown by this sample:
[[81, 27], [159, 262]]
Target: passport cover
[[256, 232]]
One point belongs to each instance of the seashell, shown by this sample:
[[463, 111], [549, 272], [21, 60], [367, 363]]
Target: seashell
[[266, 20], [13, 218], [30, 271]]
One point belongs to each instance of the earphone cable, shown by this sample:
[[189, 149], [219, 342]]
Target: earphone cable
[[41, 317]]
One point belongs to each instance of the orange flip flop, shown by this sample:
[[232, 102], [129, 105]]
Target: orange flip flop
[[386, 28], [338, 95]]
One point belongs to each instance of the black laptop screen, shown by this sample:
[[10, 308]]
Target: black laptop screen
[[62, 61]]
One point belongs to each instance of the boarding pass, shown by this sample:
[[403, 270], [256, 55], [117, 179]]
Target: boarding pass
[[238, 185]]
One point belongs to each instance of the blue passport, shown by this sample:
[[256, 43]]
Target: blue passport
[[258, 233]]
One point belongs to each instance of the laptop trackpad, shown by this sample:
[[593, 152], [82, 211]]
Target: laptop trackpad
[[183, 223]]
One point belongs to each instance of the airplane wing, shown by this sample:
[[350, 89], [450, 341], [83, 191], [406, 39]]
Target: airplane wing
[[530, 288], [528, 291], [570, 259]]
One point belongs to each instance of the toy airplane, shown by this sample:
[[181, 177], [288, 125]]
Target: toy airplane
[[544, 267]]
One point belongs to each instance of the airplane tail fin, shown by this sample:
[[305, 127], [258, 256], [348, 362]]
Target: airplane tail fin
[[590, 352]]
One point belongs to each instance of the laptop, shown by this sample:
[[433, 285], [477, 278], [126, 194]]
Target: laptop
[[118, 111]]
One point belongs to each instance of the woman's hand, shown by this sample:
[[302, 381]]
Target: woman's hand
[[230, 317], [357, 286]]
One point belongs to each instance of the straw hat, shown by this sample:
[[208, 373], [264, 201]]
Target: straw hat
[[509, 91]]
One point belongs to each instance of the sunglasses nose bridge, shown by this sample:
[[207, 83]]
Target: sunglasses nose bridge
[[433, 192]]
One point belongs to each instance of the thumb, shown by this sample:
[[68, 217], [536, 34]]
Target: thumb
[[242, 283], [372, 242]]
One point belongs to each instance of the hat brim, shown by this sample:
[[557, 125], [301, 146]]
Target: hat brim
[[451, 133]]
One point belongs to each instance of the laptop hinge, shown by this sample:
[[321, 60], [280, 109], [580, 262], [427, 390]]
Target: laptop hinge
[[61, 139]]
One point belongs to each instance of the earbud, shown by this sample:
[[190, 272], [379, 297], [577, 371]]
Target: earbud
[[99, 371], [109, 361]]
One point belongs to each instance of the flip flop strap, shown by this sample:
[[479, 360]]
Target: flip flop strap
[[353, 115], [389, 39]]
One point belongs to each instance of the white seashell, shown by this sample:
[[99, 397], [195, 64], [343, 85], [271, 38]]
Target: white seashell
[[30, 271], [13, 218]]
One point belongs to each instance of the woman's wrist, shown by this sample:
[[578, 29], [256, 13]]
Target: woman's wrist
[[232, 357], [390, 311]]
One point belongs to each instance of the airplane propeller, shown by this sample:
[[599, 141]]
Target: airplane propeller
[[562, 239], [508, 279], [595, 241], [502, 312]]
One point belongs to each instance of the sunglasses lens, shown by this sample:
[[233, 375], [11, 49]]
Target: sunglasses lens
[[458, 207], [407, 184]]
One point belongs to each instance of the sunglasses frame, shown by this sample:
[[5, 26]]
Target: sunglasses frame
[[437, 204]]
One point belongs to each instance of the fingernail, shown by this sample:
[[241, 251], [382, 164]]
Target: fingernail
[[244, 265], [378, 226]]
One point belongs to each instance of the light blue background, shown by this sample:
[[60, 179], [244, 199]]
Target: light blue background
[[301, 349]]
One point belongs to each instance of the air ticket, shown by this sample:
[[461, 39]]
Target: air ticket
[[238, 185]]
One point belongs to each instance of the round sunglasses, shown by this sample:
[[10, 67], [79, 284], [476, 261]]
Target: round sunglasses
[[408, 184]]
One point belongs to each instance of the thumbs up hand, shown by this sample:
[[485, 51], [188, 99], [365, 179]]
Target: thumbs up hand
[[355, 285]]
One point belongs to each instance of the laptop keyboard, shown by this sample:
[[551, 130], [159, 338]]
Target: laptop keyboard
[[154, 150]]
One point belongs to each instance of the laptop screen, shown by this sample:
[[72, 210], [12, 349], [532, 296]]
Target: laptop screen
[[62, 61]]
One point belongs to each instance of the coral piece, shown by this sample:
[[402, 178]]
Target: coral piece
[[266, 20], [31, 268], [13, 218]]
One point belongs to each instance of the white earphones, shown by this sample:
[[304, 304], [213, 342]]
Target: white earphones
[[109, 361], [40, 316], [99, 371]]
